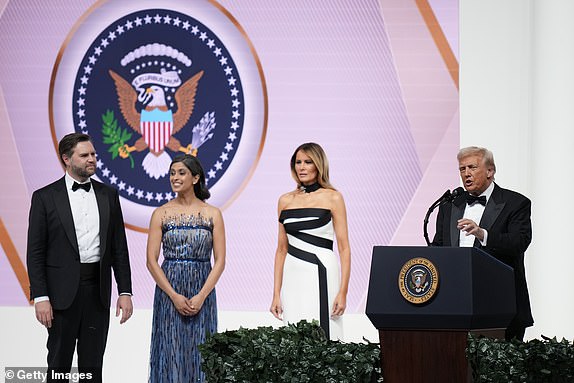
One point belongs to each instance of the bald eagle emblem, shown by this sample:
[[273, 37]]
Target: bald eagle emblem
[[418, 280], [156, 123]]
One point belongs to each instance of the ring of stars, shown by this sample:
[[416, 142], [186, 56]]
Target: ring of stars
[[210, 42]]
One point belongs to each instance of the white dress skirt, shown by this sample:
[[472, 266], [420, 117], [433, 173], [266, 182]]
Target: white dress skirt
[[311, 277]]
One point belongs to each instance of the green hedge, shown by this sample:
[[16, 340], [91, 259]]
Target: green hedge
[[535, 361], [293, 353], [301, 353]]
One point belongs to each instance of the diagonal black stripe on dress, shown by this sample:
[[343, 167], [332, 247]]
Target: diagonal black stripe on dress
[[311, 276]]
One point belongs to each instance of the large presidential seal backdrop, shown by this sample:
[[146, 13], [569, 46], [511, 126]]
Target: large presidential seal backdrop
[[149, 83]]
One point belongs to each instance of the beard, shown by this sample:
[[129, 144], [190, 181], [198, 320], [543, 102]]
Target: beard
[[83, 172]]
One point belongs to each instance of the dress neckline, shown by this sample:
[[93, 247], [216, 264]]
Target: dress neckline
[[306, 208], [186, 220]]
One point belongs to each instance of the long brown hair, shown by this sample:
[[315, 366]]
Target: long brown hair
[[319, 158]]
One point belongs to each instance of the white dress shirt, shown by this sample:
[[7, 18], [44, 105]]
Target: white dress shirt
[[86, 222], [474, 212]]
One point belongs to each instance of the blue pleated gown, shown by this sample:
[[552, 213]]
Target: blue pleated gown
[[187, 244]]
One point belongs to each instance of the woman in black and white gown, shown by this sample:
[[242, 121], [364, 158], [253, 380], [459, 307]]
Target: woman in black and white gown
[[308, 281]]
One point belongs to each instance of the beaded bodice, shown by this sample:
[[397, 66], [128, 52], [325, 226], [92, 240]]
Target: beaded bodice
[[187, 237]]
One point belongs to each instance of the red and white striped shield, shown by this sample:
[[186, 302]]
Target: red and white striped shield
[[156, 134]]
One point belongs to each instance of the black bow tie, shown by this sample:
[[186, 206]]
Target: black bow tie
[[470, 199], [86, 186]]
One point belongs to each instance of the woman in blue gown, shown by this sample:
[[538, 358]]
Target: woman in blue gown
[[188, 230]]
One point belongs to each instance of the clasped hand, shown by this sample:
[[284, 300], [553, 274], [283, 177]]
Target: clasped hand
[[187, 307]]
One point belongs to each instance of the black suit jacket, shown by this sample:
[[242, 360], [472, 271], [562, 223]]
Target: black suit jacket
[[53, 258], [506, 217]]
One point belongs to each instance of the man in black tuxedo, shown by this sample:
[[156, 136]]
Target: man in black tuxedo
[[503, 230], [76, 236]]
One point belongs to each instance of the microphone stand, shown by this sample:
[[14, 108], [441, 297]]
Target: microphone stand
[[444, 198]]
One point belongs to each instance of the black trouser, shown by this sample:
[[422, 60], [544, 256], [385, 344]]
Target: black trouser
[[515, 330], [86, 322]]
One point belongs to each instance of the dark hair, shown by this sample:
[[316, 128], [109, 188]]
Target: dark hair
[[319, 158], [68, 143], [194, 166]]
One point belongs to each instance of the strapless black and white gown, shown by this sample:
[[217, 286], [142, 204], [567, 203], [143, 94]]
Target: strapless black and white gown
[[311, 277]]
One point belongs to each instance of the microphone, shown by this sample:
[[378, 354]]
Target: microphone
[[455, 193], [445, 198]]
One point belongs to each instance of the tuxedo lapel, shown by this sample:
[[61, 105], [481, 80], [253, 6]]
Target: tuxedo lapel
[[104, 211], [62, 203], [456, 213], [492, 209]]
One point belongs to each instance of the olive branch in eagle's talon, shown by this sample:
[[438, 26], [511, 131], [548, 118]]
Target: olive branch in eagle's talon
[[116, 137]]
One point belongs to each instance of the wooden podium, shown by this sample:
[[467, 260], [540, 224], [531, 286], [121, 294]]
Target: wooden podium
[[424, 339]]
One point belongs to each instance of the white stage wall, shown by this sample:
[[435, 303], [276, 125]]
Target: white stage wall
[[517, 92]]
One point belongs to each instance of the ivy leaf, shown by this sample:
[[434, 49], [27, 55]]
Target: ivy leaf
[[295, 353]]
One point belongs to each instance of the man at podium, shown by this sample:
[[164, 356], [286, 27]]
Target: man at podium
[[494, 219]]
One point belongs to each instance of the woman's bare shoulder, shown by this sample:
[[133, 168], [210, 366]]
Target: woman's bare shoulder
[[284, 199], [211, 211], [330, 194], [333, 197]]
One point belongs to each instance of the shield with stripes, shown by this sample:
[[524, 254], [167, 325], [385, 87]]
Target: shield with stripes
[[156, 127]]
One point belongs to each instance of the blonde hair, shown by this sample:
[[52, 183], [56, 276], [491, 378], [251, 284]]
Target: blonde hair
[[487, 156], [319, 158]]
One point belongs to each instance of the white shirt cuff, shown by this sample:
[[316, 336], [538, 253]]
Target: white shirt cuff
[[483, 242]]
